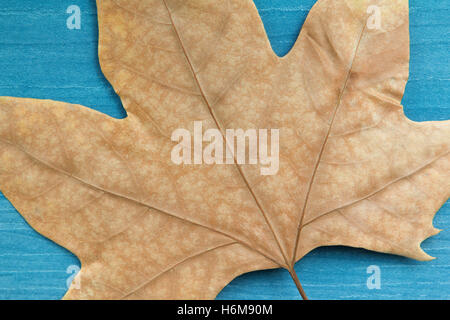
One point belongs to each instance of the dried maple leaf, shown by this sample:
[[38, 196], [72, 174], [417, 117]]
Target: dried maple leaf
[[353, 169]]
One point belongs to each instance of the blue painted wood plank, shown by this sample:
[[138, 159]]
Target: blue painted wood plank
[[41, 58]]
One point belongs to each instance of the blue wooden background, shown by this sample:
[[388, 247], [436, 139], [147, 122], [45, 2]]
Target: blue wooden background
[[41, 58]]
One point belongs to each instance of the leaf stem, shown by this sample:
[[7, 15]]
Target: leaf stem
[[297, 283]]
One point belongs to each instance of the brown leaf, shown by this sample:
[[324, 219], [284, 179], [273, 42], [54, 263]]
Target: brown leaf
[[353, 169]]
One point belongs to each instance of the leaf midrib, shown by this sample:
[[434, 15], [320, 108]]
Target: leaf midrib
[[319, 157], [211, 111]]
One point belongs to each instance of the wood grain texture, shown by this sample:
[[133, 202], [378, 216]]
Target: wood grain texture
[[39, 54]]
